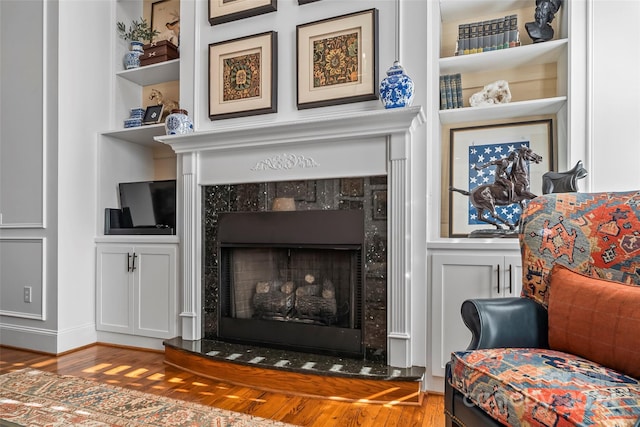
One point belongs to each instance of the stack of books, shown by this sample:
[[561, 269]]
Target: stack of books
[[484, 36], [451, 91]]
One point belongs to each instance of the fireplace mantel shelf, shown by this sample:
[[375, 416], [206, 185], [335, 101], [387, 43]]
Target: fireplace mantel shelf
[[322, 128]]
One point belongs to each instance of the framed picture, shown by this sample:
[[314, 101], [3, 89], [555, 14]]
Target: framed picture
[[221, 11], [489, 161], [153, 114], [337, 60], [165, 19], [243, 76]]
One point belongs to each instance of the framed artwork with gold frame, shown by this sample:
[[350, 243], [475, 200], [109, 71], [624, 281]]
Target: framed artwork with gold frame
[[337, 60], [243, 76], [221, 11]]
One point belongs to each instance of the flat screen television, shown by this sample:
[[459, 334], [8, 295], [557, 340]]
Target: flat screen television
[[148, 205]]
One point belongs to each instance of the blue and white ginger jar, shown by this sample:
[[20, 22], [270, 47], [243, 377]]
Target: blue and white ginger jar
[[396, 90], [132, 58], [178, 123]]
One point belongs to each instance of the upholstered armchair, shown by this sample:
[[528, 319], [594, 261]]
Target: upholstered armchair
[[568, 351]]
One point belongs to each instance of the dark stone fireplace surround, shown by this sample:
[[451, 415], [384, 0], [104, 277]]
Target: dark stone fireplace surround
[[364, 194], [319, 147]]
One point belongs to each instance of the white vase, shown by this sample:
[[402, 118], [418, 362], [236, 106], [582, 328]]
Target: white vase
[[132, 58], [178, 123]]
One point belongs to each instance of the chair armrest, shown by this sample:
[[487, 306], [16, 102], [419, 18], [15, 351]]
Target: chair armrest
[[505, 322]]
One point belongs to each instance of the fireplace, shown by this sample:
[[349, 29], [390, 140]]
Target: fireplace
[[292, 280], [327, 146]]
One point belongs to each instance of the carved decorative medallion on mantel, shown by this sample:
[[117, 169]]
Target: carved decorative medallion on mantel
[[285, 161]]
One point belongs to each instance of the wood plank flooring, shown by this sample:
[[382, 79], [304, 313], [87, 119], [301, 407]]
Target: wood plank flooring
[[146, 371]]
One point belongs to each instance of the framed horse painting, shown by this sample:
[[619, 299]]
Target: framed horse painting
[[494, 170]]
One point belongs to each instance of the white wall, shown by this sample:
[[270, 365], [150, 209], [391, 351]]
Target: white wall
[[75, 100], [82, 105], [614, 158]]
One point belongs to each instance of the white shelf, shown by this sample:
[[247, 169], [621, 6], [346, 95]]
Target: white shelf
[[503, 111], [539, 53], [458, 10], [138, 135], [152, 74]]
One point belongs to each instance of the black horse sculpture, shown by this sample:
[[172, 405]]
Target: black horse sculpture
[[511, 185]]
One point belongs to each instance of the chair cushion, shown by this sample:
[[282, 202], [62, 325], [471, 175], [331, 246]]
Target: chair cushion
[[593, 233], [538, 387], [596, 319]]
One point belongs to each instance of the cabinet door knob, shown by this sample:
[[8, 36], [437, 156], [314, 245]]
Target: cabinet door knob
[[129, 262], [498, 277], [133, 265]]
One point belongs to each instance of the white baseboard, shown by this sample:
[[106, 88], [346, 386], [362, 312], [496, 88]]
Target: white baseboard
[[46, 340]]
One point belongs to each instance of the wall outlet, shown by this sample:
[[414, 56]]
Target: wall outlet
[[27, 294]]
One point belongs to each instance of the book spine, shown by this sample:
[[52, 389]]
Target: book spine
[[503, 34], [454, 92], [460, 41], [481, 40], [447, 85], [487, 36], [514, 37], [466, 40], [443, 94], [473, 38], [494, 35], [458, 80]]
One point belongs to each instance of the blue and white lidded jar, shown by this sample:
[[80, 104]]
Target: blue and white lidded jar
[[132, 58], [396, 90], [178, 123]]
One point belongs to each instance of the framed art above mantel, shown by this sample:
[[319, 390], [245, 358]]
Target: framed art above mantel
[[337, 60], [222, 11], [243, 76]]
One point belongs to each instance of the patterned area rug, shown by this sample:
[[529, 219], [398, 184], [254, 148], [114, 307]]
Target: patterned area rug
[[33, 398]]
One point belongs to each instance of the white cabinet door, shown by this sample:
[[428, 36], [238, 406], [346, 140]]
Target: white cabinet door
[[114, 290], [155, 288], [455, 278], [136, 289]]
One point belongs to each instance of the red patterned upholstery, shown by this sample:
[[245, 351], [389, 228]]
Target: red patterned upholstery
[[593, 233]]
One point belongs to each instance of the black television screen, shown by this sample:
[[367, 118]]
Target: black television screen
[[149, 203]]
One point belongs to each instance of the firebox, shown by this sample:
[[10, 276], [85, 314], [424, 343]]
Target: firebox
[[292, 280]]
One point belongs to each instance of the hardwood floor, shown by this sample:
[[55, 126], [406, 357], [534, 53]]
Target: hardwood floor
[[145, 371]]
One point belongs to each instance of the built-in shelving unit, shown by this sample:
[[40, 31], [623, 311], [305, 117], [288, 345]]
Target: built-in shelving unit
[[538, 76]]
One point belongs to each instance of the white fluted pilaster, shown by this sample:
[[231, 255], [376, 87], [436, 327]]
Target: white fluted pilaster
[[399, 250], [191, 298]]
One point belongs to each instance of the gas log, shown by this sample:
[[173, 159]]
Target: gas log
[[310, 300], [316, 301]]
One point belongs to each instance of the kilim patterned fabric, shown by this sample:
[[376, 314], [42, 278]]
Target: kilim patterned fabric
[[597, 234], [592, 233], [536, 387]]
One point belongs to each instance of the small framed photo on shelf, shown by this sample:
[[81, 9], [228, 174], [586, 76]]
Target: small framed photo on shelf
[[337, 60], [496, 163], [153, 114], [222, 11], [243, 76]]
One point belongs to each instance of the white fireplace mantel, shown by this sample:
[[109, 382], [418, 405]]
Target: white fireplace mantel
[[376, 142]]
